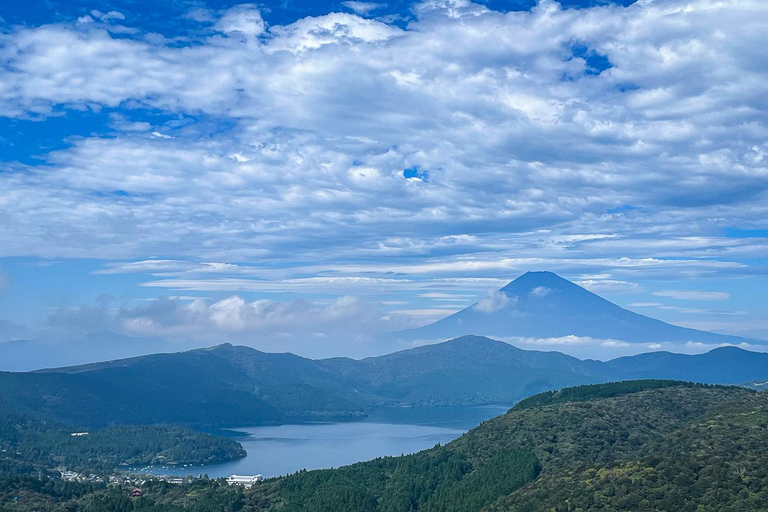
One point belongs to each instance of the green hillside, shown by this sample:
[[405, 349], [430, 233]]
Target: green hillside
[[29, 444], [645, 445], [511, 461]]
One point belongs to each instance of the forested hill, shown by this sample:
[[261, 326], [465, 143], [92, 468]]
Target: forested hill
[[642, 445], [29, 444], [230, 385]]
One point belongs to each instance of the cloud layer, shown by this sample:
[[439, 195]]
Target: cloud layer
[[348, 154], [344, 326], [517, 130]]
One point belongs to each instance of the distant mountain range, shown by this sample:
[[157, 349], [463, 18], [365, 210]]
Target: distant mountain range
[[535, 306], [544, 305], [230, 385]]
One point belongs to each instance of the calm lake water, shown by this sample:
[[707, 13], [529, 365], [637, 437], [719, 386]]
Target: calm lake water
[[279, 450]]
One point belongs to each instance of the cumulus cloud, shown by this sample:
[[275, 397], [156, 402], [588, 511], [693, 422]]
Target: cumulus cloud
[[495, 302], [331, 29], [243, 19], [541, 291], [272, 325]]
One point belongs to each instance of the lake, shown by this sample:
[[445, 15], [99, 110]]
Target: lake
[[283, 449]]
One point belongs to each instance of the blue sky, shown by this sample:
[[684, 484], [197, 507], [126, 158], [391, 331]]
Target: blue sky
[[300, 175]]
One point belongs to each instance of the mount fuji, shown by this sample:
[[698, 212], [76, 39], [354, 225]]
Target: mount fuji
[[544, 305]]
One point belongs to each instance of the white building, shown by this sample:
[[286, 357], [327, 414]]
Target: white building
[[245, 481]]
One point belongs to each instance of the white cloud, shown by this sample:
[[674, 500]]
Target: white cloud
[[107, 16], [609, 286], [304, 155], [147, 266], [363, 8], [527, 161], [445, 296], [495, 302], [331, 29], [228, 314], [431, 314], [570, 340], [697, 295], [266, 324], [243, 19], [605, 349]]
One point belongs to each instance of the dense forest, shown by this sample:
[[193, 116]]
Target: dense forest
[[584, 393], [28, 444], [646, 446], [29, 494]]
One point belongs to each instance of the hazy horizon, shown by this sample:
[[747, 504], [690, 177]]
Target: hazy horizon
[[520, 303]]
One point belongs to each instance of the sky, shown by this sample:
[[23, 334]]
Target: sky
[[302, 175]]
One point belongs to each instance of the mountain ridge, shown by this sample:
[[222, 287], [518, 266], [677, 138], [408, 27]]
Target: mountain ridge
[[229, 385]]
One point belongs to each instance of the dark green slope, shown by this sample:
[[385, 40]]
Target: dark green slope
[[633, 446], [29, 444], [714, 463], [557, 456]]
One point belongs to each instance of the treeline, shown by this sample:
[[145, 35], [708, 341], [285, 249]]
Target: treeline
[[29, 494], [26, 492], [716, 464], [595, 391], [437, 480], [28, 443]]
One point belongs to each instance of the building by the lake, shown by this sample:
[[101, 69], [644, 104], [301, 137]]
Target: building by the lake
[[245, 481]]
